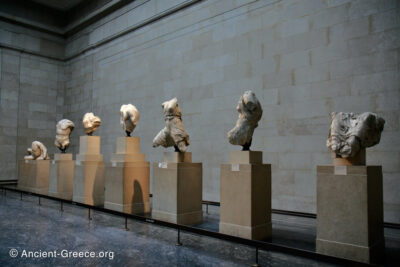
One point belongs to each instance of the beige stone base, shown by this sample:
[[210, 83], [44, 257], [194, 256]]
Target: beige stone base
[[66, 196], [258, 232], [33, 176], [245, 157], [127, 187], [357, 160], [89, 149], [128, 157], [182, 218], [246, 196], [89, 145], [89, 182], [350, 212], [137, 208], [177, 190], [372, 253], [61, 182], [177, 157], [128, 150], [42, 191]]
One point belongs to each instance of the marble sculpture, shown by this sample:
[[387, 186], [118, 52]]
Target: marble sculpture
[[37, 152], [250, 113], [351, 132], [173, 133], [64, 129], [91, 123], [129, 118]]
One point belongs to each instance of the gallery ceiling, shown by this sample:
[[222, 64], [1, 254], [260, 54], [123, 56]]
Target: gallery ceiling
[[63, 5]]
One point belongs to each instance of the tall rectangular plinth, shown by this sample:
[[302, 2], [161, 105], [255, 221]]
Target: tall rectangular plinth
[[33, 176], [127, 178], [177, 189], [350, 212], [89, 172], [246, 196], [61, 181]]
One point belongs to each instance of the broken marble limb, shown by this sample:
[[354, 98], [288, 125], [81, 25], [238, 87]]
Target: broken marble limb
[[350, 134], [250, 113], [129, 118], [38, 151], [91, 123], [173, 133], [64, 129]]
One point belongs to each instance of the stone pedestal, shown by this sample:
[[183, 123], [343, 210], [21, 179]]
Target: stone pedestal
[[127, 178], [61, 181], [89, 172], [245, 196], [358, 160], [33, 176], [350, 212], [178, 189]]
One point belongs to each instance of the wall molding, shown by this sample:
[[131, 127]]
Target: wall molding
[[72, 28], [86, 23], [135, 27], [29, 52]]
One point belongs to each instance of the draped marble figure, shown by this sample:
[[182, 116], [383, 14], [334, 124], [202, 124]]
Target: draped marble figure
[[173, 133], [37, 151], [250, 113], [64, 129], [129, 118], [91, 123], [351, 132]]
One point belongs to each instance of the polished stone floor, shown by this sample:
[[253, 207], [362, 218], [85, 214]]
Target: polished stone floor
[[27, 226], [24, 225], [291, 231], [300, 232]]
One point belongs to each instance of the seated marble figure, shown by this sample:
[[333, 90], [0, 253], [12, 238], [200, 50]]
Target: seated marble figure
[[38, 151]]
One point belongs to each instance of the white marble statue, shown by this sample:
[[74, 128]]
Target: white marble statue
[[250, 113], [64, 129], [91, 123], [37, 152], [129, 118], [350, 132], [173, 133]]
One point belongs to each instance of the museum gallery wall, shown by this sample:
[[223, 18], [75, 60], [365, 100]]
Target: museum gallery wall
[[302, 60]]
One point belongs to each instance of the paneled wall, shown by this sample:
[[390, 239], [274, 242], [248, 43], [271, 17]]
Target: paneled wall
[[303, 59], [31, 101]]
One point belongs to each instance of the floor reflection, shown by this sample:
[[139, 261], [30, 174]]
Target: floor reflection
[[288, 230]]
